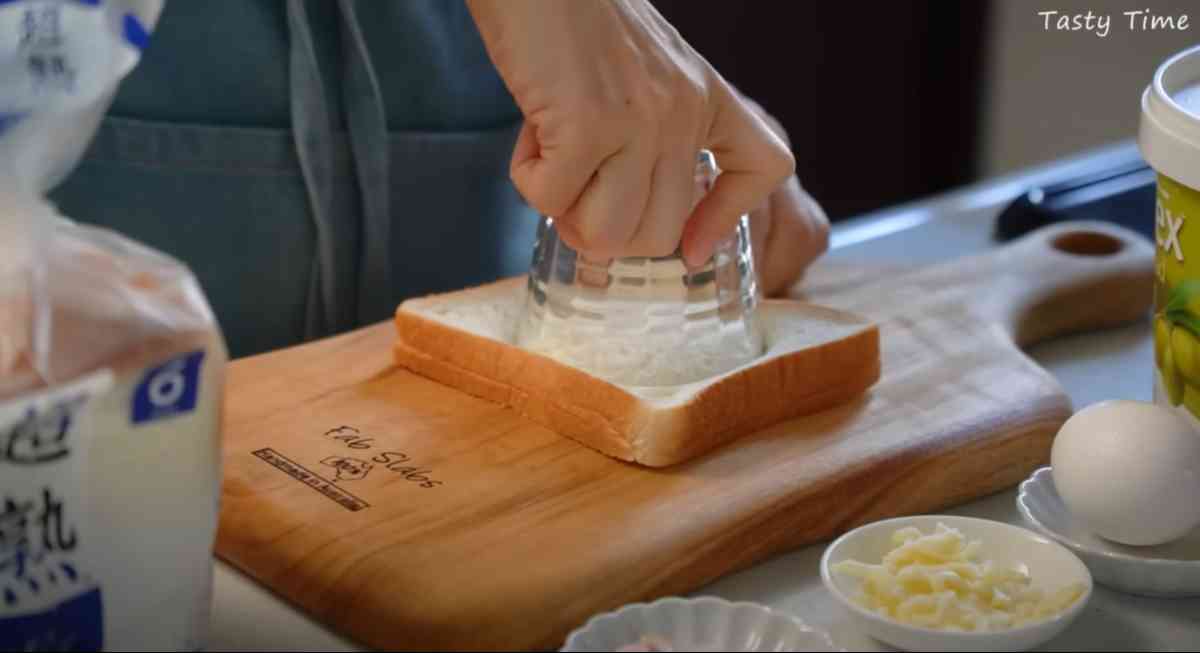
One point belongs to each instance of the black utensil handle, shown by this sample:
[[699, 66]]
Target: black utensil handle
[[1123, 194]]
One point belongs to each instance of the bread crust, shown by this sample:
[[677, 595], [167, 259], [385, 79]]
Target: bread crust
[[782, 385]]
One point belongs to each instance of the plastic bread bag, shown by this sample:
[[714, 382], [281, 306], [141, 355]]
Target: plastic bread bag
[[111, 368]]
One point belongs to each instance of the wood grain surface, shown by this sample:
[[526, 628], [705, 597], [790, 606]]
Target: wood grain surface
[[409, 515]]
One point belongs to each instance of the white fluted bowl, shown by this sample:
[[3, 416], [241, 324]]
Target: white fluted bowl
[[700, 624], [1168, 570], [1050, 565]]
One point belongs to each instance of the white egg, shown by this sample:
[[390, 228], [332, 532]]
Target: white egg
[[1130, 471]]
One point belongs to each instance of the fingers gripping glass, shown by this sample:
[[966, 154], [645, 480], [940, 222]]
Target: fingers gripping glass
[[642, 321]]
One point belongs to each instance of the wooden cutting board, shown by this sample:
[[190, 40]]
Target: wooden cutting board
[[409, 515]]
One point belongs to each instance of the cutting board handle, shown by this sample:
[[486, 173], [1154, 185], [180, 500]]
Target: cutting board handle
[[1070, 277]]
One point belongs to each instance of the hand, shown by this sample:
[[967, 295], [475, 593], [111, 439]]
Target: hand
[[789, 231], [616, 107]]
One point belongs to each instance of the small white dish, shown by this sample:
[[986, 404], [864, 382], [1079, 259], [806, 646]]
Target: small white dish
[[1050, 565], [1170, 570], [701, 624]]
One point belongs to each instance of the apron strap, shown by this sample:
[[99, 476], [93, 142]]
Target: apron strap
[[363, 105], [312, 132]]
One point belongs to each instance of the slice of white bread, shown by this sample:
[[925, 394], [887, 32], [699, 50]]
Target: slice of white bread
[[816, 358]]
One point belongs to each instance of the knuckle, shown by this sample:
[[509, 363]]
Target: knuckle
[[821, 230], [821, 226], [783, 162], [778, 164], [820, 235], [813, 209], [805, 225]]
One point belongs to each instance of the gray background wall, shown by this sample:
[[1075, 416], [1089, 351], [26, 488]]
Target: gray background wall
[[1048, 94]]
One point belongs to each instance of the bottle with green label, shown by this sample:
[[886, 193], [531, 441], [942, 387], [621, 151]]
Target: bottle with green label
[[1169, 137], [1177, 295]]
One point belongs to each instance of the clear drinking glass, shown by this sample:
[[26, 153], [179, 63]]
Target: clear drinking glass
[[645, 321]]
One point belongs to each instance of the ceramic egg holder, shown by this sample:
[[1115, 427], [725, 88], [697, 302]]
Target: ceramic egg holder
[[1124, 469]]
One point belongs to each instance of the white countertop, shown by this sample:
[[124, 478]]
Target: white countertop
[[1104, 365]]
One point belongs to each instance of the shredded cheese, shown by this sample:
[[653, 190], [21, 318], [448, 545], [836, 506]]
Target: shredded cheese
[[939, 581]]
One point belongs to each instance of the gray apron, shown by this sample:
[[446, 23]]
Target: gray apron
[[314, 162]]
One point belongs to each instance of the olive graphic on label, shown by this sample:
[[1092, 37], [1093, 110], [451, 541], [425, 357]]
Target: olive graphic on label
[[1171, 379], [1185, 349], [1162, 338]]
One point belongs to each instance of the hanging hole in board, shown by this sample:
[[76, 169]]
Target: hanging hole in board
[[1087, 243]]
